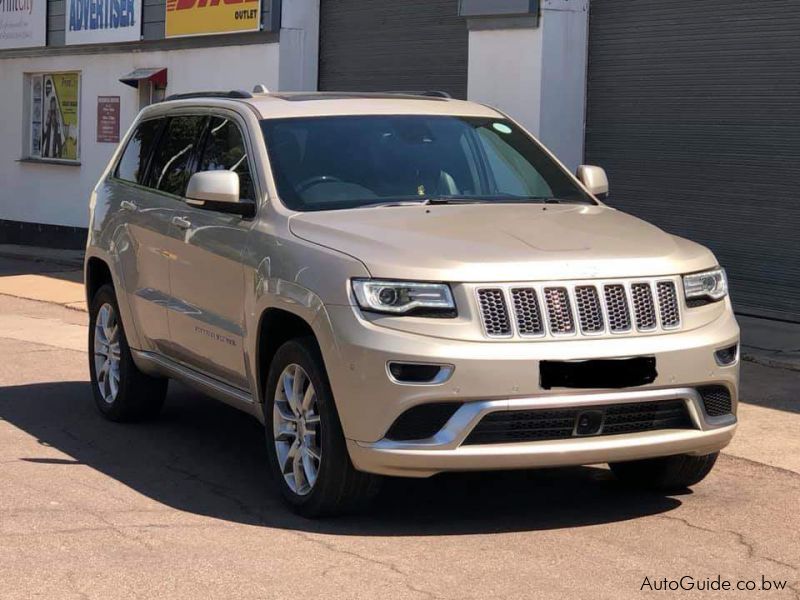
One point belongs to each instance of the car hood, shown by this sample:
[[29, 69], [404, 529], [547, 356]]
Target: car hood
[[507, 242]]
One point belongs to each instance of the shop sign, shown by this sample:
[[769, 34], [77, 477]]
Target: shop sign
[[103, 21], [208, 17], [23, 23], [108, 119]]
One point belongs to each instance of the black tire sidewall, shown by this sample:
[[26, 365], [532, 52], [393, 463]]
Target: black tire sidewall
[[138, 396], [335, 459]]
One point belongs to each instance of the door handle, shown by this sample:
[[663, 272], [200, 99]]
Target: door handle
[[128, 205], [181, 222]]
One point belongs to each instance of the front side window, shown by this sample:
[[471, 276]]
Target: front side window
[[225, 150], [133, 162], [172, 160], [325, 163]]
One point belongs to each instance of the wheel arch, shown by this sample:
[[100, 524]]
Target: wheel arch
[[99, 270], [97, 273], [277, 326]]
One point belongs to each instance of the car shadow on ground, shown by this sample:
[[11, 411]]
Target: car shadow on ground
[[206, 458]]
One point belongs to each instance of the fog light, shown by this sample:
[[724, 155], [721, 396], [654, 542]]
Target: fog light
[[727, 356], [419, 373]]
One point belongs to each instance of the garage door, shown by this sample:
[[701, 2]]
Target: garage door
[[694, 110], [386, 45]]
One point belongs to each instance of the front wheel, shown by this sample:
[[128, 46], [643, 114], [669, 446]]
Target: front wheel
[[121, 391], [306, 446], [669, 473]]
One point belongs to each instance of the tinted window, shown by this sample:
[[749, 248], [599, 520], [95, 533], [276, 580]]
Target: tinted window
[[134, 160], [225, 150], [325, 163], [172, 161]]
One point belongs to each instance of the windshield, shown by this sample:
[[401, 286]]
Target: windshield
[[327, 163]]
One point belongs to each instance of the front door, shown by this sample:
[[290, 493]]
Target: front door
[[207, 277]]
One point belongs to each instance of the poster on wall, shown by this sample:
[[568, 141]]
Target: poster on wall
[[102, 21], [108, 119], [23, 23], [209, 17], [55, 116]]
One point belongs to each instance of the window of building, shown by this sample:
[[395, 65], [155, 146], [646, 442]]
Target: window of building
[[54, 116], [225, 150], [133, 162], [172, 160]]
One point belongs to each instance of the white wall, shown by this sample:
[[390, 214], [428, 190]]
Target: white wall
[[505, 71], [537, 75], [58, 194], [565, 34], [299, 47]]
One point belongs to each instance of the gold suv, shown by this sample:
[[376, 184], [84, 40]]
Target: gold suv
[[401, 285]]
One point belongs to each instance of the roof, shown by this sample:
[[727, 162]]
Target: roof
[[317, 104]]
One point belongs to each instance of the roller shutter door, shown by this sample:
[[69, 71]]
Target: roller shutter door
[[382, 45], [694, 110]]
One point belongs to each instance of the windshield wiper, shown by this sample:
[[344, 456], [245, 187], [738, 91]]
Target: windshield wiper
[[444, 200], [424, 201]]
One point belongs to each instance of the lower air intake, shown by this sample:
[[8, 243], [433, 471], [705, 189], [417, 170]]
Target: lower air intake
[[561, 423], [716, 399], [422, 422]]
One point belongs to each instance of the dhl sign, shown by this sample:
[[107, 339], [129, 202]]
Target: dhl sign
[[207, 17]]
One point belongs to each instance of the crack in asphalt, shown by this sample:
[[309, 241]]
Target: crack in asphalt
[[220, 491], [745, 543], [331, 547]]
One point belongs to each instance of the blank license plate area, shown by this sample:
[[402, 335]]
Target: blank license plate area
[[601, 373]]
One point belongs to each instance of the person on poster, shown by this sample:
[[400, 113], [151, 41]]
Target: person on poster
[[52, 141]]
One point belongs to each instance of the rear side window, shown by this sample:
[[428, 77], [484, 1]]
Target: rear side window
[[225, 150], [133, 162], [172, 161]]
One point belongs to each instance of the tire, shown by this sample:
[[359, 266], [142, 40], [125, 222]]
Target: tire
[[308, 456], [670, 473], [136, 396]]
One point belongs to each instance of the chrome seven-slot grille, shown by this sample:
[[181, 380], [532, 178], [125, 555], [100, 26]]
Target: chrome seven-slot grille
[[584, 309]]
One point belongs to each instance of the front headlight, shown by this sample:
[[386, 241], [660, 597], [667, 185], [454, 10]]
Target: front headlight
[[405, 297], [708, 285]]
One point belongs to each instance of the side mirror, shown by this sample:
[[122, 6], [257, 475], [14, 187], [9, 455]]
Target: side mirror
[[218, 190], [595, 180]]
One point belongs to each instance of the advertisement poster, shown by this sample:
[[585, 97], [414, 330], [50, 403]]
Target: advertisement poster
[[23, 23], [55, 112], [102, 21], [208, 17], [108, 119]]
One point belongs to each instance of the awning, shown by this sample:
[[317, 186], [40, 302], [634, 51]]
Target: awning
[[156, 75]]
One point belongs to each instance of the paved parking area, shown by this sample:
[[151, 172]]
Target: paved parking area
[[182, 508]]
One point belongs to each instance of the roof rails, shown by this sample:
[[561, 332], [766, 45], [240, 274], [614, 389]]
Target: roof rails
[[431, 93], [233, 94]]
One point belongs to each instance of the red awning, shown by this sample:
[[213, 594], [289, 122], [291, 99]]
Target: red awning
[[156, 75]]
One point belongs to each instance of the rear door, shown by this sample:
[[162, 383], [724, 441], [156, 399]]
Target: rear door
[[207, 276]]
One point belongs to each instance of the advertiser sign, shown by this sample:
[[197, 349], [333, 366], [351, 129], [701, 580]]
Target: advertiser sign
[[103, 21], [23, 23], [207, 17]]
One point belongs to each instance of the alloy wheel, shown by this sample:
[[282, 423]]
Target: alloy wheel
[[296, 429], [107, 352]]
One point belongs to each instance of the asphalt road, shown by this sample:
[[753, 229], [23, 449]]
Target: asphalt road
[[182, 508]]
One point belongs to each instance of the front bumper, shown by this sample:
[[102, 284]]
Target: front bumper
[[490, 376], [445, 452]]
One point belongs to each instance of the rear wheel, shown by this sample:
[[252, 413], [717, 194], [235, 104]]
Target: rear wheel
[[307, 451], [669, 473], [121, 391]]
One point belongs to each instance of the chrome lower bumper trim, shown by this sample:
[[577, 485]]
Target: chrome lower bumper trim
[[469, 415]]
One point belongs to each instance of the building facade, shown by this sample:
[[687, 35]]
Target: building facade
[[689, 105]]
